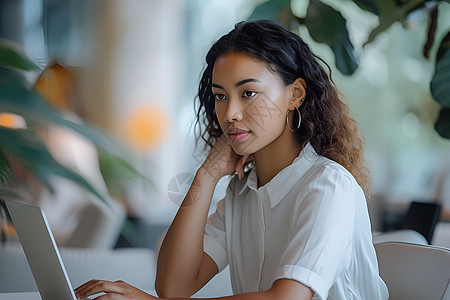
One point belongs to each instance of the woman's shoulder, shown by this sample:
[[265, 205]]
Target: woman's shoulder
[[327, 181], [325, 168]]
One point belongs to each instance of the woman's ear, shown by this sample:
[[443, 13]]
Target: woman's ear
[[298, 92]]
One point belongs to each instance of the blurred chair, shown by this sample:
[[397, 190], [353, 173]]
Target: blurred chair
[[77, 217], [99, 226], [422, 217], [402, 235], [441, 235], [133, 265], [414, 272]]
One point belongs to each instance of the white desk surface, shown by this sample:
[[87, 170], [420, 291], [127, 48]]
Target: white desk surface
[[20, 296], [35, 296]]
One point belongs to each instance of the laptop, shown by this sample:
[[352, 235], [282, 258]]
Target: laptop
[[41, 251]]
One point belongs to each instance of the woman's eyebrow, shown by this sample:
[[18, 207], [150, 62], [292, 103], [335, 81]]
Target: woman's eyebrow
[[217, 86], [242, 82], [238, 84]]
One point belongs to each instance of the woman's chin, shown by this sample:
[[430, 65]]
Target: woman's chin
[[238, 149]]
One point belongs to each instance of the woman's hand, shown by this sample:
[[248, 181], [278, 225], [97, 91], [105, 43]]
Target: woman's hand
[[113, 290], [222, 160]]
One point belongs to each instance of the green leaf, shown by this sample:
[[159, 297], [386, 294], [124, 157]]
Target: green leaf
[[102, 140], [18, 99], [346, 57], [10, 76], [12, 57], [5, 210], [132, 234], [387, 7], [28, 149], [392, 16], [328, 26], [440, 83], [117, 173], [274, 10], [443, 47], [442, 124], [368, 5], [3, 213], [5, 170]]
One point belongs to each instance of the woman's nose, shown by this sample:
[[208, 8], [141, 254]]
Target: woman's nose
[[234, 111]]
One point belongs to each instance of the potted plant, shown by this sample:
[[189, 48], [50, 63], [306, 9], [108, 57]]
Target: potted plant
[[327, 25], [23, 113]]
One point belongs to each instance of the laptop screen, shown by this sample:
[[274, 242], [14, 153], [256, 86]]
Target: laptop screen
[[41, 251]]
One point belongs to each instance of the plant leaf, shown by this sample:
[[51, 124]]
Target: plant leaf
[[5, 210], [3, 213], [332, 32], [442, 124], [440, 83], [381, 8], [5, 170], [387, 7], [10, 76], [396, 15], [12, 57], [27, 148], [18, 99], [368, 5], [102, 140], [346, 58], [271, 9], [444, 46], [117, 173]]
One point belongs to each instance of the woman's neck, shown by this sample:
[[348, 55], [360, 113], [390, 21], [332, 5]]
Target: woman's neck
[[276, 156]]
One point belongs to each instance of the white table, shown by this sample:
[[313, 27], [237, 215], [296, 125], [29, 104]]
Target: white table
[[20, 296], [37, 296]]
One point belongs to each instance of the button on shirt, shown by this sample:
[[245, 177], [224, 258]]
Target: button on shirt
[[309, 223]]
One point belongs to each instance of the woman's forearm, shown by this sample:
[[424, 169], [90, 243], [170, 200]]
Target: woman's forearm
[[181, 252], [246, 296], [284, 289]]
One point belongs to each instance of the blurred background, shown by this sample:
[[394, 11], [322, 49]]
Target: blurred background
[[137, 65]]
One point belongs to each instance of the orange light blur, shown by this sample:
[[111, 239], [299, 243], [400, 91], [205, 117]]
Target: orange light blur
[[147, 127], [55, 84], [12, 121]]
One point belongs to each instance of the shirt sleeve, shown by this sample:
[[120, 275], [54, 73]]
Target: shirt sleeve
[[321, 230], [214, 240]]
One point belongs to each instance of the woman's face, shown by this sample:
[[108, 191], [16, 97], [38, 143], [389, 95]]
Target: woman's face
[[251, 102]]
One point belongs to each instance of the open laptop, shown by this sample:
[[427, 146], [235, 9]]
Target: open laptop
[[41, 251]]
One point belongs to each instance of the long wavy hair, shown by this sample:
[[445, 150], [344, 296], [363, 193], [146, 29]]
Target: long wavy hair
[[326, 120]]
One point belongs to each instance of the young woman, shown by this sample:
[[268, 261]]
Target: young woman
[[295, 226]]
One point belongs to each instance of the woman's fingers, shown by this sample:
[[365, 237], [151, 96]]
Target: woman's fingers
[[222, 159], [241, 163], [113, 291], [93, 287]]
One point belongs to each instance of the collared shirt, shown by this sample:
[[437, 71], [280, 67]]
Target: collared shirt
[[309, 223]]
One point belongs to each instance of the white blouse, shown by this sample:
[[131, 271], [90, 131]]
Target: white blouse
[[309, 223]]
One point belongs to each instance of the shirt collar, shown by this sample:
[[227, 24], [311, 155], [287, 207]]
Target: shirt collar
[[282, 183]]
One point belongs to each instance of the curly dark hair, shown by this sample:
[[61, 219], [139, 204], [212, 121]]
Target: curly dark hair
[[326, 120]]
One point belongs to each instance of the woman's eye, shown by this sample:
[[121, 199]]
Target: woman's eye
[[219, 97], [249, 94]]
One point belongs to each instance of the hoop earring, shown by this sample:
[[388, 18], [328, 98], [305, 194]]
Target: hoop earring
[[299, 119]]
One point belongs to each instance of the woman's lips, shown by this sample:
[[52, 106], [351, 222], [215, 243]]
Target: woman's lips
[[238, 136]]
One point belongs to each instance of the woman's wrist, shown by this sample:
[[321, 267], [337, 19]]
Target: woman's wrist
[[207, 172]]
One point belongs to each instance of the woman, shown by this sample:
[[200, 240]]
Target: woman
[[295, 226]]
